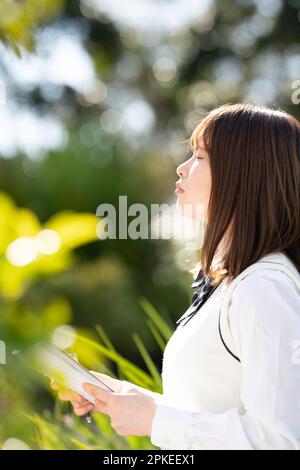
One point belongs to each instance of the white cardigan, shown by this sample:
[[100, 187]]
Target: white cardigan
[[241, 391]]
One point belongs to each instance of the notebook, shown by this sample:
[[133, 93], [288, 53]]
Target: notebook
[[59, 366]]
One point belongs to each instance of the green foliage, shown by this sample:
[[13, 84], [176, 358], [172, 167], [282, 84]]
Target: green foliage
[[51, 244], [29, 410], [60, 429], [20, 19]]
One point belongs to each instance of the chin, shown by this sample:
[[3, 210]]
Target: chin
[[194, 211]]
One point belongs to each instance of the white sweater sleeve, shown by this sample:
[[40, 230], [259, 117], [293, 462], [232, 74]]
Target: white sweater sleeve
[[264, 316], [126, 386]]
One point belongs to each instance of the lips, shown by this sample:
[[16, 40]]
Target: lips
[[179, 189]]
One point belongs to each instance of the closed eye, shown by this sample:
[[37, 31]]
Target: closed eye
[[197, 157]]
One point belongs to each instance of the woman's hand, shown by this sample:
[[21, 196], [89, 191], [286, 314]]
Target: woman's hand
[[80, 404], [131, 414]]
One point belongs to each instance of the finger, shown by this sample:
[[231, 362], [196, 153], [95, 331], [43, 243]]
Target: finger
[[97, 392], [78, 400], [83, 410], [84, 405], [66, 395]]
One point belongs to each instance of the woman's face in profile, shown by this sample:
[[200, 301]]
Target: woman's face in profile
[[195, 181]]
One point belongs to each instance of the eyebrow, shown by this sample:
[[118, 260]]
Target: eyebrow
[[200, 148]]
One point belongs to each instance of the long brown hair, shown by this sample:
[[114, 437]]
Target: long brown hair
[[254, 156]]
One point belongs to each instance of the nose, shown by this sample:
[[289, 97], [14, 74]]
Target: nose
[[181, 170]]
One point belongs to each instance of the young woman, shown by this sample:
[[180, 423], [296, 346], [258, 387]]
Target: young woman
[[231, 370]]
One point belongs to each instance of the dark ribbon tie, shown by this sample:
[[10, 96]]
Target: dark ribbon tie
[[203, 291]]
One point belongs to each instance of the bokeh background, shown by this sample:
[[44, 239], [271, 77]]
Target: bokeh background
[[96, 98]]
